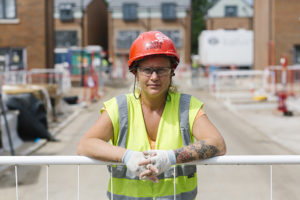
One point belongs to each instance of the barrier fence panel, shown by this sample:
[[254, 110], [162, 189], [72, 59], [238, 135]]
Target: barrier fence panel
[[236, 81], [284, 79], [82, 160], [271, 80]]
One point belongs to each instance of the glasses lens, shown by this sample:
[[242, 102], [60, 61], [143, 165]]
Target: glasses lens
[[163, 71], [160, 71]]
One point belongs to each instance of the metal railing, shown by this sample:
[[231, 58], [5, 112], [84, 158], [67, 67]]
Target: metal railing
[[82, 160]]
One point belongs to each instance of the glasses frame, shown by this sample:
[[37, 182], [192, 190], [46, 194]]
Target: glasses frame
[[156, 70]]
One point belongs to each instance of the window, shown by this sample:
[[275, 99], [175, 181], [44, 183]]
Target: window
[[129, 12], [126, 38], [297, 54], [168, 11], [230, 11], [66, 12], [16, 59], [175, 36], [66, 38], [12, 59], [8, 9]]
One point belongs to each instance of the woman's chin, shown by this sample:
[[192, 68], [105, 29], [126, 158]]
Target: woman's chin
[[155, 92]]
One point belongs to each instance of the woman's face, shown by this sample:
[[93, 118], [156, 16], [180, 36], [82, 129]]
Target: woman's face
[[154, 75]]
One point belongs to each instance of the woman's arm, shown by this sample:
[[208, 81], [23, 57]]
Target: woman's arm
[[94, 142], [209, 142]]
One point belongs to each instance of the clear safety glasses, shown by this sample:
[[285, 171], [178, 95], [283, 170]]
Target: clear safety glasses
[[160, 71]]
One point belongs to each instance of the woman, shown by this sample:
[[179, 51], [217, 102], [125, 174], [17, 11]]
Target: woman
[[153, 129]]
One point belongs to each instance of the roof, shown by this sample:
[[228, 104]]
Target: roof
[[76, 2], [147, 3]]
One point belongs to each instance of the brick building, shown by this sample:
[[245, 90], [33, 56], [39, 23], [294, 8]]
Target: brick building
[[70, 30], [26, 36], [230, 15], [128, 18], [276, 32]]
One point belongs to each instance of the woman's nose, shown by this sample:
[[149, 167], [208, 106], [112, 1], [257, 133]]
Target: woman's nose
[[154, 75]]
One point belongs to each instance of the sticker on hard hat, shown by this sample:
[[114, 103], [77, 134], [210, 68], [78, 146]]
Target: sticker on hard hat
[[161, 37], [154, 45]]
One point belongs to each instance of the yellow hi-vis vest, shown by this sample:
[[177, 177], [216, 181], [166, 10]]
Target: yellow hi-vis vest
[[174, 131]]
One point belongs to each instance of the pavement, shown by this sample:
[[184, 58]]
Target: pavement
[[263, 116]]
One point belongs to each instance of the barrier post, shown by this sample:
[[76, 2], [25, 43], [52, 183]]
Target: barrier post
[[283, 95], [291, 81]]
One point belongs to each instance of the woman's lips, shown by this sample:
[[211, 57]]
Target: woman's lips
[[153, 85]]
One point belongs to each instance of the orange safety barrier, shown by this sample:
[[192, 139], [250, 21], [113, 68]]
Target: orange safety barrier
[[91, 81], [286, 78]]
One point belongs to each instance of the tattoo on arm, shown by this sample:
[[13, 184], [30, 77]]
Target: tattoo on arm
[[197, 151]]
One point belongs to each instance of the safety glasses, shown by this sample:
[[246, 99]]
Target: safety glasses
[[160, 71]]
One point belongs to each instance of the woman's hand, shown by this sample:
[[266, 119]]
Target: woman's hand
[[158, 162]]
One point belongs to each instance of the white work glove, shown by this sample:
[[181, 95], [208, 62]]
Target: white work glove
[[162, 159], [132, 159]]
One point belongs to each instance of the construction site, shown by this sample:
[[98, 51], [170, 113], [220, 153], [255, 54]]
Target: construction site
[[246, 71]]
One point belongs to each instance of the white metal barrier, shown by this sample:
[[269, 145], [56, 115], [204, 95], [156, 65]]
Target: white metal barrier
[[271, 80], [82, 160]]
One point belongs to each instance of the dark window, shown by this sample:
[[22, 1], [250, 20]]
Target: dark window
[[168, 11], [12, 59], [129, 12], [296, 62], [66, 38], [230, 11], [8, 9], [175, 36], [126, 38], [297, 54], [16, 59], [66, 12]]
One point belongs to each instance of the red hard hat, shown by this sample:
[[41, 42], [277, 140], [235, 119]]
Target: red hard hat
[[152, 43]]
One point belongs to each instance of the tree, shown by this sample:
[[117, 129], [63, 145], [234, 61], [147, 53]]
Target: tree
[[198, 13]]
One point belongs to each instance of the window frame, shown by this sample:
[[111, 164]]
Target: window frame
[[171, 7], [9, 64], [230, 7], [63, 7], [64, 31], [126, 11], [128, 41], [4, 2], [296, 54]]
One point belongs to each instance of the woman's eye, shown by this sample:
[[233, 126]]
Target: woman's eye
[[148, 70], [161, 70]]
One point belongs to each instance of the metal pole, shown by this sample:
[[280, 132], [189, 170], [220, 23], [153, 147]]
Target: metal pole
[[82, 41], [219, 160], [271, 182]]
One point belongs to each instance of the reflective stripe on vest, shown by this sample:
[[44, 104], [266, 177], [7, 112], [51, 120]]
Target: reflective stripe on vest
[[185, 195], [184, 106], [123, 119]]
